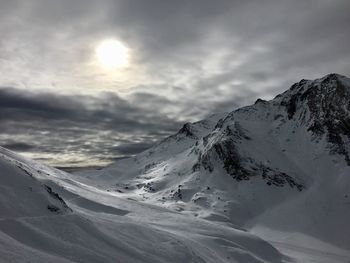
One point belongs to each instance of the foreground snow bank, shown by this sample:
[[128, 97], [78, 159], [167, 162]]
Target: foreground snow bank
[[91, 225]]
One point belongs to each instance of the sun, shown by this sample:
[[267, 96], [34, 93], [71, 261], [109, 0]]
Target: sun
[[112, 54]]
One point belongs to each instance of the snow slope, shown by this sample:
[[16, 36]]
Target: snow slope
[[93, 225], [265, 183]]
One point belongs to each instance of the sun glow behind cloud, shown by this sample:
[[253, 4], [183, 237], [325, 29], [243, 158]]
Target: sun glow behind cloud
[[112, 54]]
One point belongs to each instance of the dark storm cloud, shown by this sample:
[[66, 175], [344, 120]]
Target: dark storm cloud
[[35, 105], [84, 124], [107, 111], [18, 146]]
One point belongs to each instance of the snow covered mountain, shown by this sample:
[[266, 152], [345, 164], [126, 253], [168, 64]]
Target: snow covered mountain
[[279, 165], [268, 182]]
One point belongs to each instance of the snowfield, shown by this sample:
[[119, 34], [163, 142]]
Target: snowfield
[[268, 182], [100, 226]]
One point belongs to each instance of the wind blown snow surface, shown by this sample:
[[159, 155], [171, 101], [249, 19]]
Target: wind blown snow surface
[[268, 182]]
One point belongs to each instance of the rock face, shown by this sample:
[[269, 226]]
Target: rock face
[[320, 108], [323, 106]]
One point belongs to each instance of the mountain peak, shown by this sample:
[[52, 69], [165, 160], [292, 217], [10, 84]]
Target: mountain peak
[[333, 76], [323, 107], [327, 94], [328, 83]]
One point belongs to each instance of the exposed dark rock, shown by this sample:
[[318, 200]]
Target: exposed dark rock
[[20, 166], [54, 209], [273, 177], [324, 107], [196, 167], [177, 194], [243, 168], [260, 101], [188, 130], [149, 188], [226, 151], [291, 105], [57, 197]]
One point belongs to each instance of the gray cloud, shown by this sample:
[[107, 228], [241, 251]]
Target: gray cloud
[[105, 127], [108, 110], [18, 146], [189, 59], [133, 148]]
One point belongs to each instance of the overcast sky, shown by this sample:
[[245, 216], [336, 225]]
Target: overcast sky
[[187, 59]]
